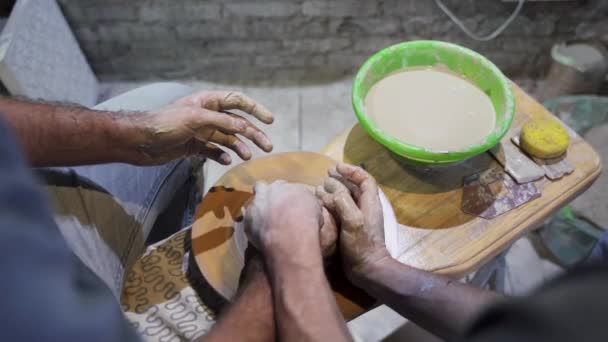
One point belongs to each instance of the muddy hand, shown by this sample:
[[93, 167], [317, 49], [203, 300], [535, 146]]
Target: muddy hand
[[352, 195], [282, 214], [329, 234], [201, 124]]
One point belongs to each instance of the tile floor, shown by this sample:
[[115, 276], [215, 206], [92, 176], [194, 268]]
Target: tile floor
[[307, 117]]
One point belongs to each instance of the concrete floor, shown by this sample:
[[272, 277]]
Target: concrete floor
[[307, 117]]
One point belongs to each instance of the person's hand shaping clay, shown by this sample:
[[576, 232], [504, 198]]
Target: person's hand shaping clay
[[200, 124], [352, 195], [282, 214]]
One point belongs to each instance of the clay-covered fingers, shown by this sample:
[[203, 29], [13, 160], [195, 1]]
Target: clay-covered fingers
[[326, 198], [336, 197], [357, 176], [368, 199], [253, 133], [328, 234], [213, 152], [334, 186], [353, 188], [348, 213], [232, 142], [227, 100], [236, 100], [229, 123], [328, 192]]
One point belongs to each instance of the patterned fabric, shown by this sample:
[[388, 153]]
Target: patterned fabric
[[159, 300]]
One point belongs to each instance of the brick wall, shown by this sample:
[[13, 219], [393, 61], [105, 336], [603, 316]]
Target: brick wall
[[308, 39]]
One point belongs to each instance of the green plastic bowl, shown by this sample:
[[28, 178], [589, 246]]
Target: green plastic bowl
[[462, 61]]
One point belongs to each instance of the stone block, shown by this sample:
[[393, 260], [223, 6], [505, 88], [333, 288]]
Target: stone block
[[467, 8], [238, 47], [522, 46], [86, 34], [158, 60], [253, 28], [102, 51], [234, 74], [522, 26], [112, 32], [408, 8], [222, 62], [372, 44], [364, 26], [314, 27], [226, 68], [110, 12], [141, 32], [282, 61], [153, 66], [295, 27], [196, 11], [40, 57], [96, 11], [511, 63], [315, 45], [423, 25], [156, 49], [154, 13], [261, 9], [344, 8], [126, 32], [179, 11], [211, 29], [346, 61]]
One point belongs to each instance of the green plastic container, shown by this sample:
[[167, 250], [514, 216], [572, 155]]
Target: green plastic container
[[462, 61]]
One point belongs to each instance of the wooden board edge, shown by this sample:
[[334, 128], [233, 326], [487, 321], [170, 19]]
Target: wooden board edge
[[499, 245]]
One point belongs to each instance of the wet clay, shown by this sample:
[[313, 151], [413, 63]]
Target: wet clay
[[431, 108]]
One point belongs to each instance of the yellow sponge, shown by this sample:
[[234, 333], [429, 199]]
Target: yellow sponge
[[544, 138]]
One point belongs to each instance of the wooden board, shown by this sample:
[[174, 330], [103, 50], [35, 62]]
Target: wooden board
[[218, 240], [435, 234]]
